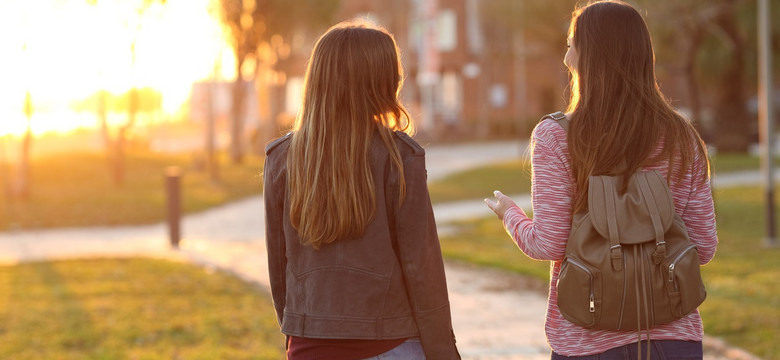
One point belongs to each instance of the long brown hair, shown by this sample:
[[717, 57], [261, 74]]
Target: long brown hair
[[618, 113], [351, 87]]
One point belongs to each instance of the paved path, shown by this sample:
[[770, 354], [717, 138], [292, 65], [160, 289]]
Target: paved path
[[495, 316]]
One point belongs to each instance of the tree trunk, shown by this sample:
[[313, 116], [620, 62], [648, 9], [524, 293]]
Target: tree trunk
[[5, 178], [120, 144], [22, 188], [275, 107], [731, 119], [692, 46], [237, 118], [118, 158], [212, 165], [105, 132]]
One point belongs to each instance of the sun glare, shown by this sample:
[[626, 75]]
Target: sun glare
[[63, 51]]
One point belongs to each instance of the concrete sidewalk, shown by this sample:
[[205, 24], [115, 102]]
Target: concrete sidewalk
[[495, 315]]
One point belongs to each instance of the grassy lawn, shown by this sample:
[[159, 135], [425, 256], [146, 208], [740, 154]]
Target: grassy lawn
[[116, 309], [511, 178], [484, 242], [730, 162], [743, 302], [77, 190], [132, 309], [515, 177]]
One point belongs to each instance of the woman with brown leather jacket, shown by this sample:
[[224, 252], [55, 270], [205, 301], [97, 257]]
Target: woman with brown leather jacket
[[355, 265]]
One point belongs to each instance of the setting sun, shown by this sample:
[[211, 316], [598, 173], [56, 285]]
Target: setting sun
[[64, 51]]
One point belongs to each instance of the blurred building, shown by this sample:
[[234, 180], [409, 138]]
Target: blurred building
[[466, 77], [475, 69]]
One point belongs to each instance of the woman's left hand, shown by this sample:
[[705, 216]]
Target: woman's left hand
[[500, 205]]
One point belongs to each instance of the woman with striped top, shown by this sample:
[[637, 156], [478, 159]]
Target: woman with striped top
[[617, 115]]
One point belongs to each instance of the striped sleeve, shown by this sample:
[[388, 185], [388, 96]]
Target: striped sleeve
[[699, 215], [544, 237]]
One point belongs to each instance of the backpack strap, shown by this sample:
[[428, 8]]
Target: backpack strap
[[615, 250], [660, 244], [560, 117], [562, 120]]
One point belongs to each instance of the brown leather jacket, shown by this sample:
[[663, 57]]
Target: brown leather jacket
[[387, 284]]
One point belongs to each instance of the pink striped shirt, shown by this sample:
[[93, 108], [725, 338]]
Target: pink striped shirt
[[544, 238]]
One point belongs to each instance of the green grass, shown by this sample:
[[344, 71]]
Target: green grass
[[77, 190], [731, 162], [515, 178], [484, 242], [132, 309], [743, 302], [511, 178], [150, 309]]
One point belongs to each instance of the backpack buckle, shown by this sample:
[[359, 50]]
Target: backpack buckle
[[557, 116], [660, 252], [616, 254]]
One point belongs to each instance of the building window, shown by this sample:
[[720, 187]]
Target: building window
[[447, 32], [293, 94], [451, 95], [498, 95]]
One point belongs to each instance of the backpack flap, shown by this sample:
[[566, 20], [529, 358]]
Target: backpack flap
[[646, 208]]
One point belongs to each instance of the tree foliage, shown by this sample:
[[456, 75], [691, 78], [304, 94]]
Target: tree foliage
[[713, 44], [115, 146], [709, 44], [252, 23], [542, 21], [261, 32]]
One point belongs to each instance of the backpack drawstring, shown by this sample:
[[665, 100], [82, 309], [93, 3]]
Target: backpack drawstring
[[643, 300]]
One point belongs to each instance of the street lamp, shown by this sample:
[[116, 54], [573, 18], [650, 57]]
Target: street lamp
[[766, 116]]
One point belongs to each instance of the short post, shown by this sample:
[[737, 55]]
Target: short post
[[173, 196]]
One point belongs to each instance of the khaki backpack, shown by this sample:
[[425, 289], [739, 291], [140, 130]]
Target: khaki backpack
[[629, 263]]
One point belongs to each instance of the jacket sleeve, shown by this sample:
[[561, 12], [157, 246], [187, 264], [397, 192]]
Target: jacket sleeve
[[421, 260], [273, 195]]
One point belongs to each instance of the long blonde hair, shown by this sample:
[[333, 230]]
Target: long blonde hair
[[352, 90], [619, 114]]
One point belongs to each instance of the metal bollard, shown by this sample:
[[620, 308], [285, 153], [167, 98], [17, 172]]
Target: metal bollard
[[173, 192]]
